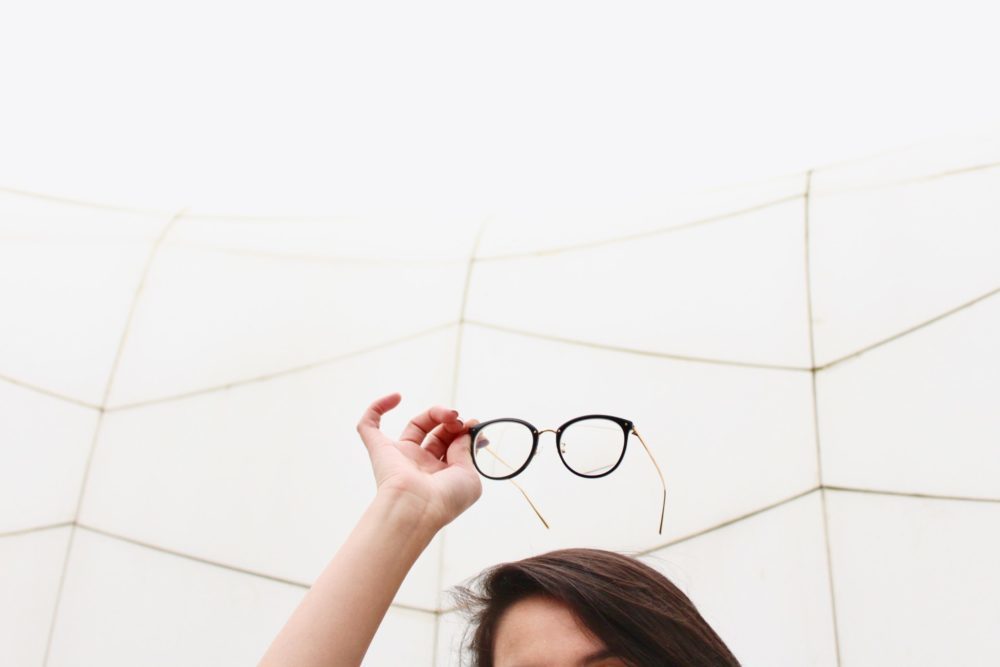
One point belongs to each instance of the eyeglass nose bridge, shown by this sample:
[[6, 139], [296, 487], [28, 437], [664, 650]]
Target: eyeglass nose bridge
[[553, 431]]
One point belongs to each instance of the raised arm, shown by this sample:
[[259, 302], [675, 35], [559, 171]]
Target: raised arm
[[424, 480]]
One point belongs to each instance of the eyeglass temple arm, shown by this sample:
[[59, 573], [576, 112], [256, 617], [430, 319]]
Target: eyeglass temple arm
[[518, 487], [663, 483]]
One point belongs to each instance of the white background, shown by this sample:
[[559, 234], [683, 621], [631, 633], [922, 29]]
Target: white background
[[250, 220]]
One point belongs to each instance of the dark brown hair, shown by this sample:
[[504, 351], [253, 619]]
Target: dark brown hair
[[637, 612]]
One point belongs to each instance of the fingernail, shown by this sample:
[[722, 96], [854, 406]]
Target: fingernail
[[454, 413]]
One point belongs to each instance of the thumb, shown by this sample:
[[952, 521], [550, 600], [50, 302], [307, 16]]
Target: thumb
[[460, 452]]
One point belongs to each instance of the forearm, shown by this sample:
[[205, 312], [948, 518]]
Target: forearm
[[335, 622]]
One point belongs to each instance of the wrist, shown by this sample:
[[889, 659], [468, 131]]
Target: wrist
[[408, 512]]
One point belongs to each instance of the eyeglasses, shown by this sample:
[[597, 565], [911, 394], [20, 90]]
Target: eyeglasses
[[591, 446]]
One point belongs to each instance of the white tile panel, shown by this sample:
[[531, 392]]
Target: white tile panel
[[268, 476], [540, 231], [68, 276], [731, 290], [209, 318], [730, 440], [923, 160], [414, 237], [125, 604], [763, 585], [450, 637], [919, 414], [44, 445], [884, 260], [916, 580], [406, 637], [30, 567]]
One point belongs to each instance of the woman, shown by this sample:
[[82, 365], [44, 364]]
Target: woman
[[577, 607]]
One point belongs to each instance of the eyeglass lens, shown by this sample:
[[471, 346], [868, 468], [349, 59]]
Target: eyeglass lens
[[502, 448], [592, 447]]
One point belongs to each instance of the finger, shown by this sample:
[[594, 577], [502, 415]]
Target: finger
[[439, 438], [371, 420], [424, 423]]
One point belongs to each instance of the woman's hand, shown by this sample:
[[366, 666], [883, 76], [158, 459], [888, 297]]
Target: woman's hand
[[425, 479], [429, 467]]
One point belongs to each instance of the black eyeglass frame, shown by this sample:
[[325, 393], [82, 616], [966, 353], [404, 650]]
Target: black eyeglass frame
[[626, 425]]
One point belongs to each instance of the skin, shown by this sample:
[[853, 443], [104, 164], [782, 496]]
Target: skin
[[424, 480], [541, 632]]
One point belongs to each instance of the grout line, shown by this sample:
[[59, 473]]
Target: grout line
[[80, 202], [627, 350], [802, 494], [59, 594], [196, 559], [288, 371], [298, 218], [118, 355], [72, 537], [100, 419], [461, 315], [135, 303], [35, 529], [815, 415], [909, 494], [830, 577], [50, 394], [454, 395], [639, 235], [812, 336], [728, 522], [780, 503], [349, 218], [222, 566], [437, 617], [986, 166], [960, 171], [319, 259], [905, 332]]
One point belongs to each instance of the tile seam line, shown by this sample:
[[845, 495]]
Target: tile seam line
[[439, 579], [510, 330], [219, 565], [36, 529], [958, 171], [282, 373], [729, 522], [660, 231], [910, 494], [70, 201], [321, 259], [30, 194], [97, 427], [910, 330], [815, 409], [710, 529], [46, 392], [136, 297], [59, 594], [829, 573], [644, 353], [767, 508]]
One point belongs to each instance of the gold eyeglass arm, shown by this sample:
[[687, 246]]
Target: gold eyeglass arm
[[663, 483], [518, 487]]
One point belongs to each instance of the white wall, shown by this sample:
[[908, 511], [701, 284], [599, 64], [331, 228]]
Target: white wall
[[813, 360]]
